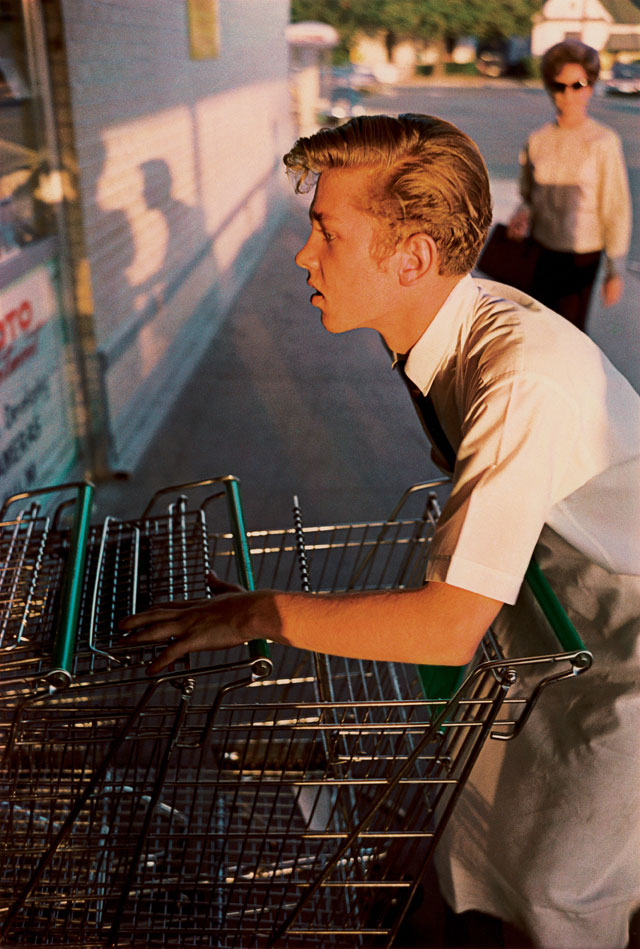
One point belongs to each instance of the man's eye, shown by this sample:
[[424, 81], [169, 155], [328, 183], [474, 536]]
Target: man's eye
[[328, 237]]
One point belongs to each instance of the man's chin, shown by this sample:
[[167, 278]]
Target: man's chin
[[331, 327]]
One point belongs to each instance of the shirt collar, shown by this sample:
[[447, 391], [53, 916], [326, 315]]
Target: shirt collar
[[439, 339]]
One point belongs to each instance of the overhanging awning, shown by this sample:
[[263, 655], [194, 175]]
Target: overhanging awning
[[623, 42]]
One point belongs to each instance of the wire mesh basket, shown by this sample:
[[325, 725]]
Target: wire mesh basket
[[277, 797]]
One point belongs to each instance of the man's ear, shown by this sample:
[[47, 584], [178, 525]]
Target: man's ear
[[417, 256]]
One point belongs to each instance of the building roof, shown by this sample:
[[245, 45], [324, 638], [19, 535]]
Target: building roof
[[623, 43], [623, 11]]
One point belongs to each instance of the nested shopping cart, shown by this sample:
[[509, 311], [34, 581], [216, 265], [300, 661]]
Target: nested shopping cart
[[259, 796]]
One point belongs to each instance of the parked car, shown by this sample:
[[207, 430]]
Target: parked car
[[13, 88], [345, 103], [355, 76], [508, 57], [491, 62], [624, 79]]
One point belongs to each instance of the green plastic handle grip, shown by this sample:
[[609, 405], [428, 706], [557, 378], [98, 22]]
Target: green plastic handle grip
[[441, 682], [258, 648], [550, 605], [71, 590]]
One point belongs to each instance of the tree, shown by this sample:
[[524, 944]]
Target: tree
[[435, 21]]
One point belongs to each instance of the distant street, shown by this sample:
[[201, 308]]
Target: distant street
[[499, 119]]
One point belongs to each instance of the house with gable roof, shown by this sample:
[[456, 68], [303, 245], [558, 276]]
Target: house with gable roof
[[610, 26]]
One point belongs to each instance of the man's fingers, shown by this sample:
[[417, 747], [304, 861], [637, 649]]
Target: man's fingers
[[174, 651], [155, 632], [161, 613], [190, 626]]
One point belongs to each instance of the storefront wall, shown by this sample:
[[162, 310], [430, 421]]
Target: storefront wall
[[173, 165], [180, 183], [38, 417]]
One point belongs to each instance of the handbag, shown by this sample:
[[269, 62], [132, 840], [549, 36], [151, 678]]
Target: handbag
[[509, 261]]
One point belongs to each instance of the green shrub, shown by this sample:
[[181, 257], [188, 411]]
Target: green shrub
[[460, 69], [530, 66]]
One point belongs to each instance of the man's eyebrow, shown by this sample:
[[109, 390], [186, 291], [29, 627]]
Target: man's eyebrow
[[318, 216]]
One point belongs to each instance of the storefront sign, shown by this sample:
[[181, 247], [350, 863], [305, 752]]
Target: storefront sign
[[202, 17], [37, 445]]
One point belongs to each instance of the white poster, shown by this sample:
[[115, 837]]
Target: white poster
[[37, 444]]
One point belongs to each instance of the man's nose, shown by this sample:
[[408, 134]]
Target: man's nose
[[304, 257]]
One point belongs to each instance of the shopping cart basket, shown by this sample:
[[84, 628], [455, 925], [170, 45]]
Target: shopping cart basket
[[287, 799]]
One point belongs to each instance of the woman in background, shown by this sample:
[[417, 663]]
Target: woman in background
[[573, 181]]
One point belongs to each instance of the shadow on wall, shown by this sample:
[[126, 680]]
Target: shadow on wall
[[166, 267]]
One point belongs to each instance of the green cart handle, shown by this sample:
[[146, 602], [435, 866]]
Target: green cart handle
[[441, 682], [66, 625], [258, 648], [550, 605], [66, 630]]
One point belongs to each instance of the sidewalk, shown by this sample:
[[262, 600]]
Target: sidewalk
[[288, 408]]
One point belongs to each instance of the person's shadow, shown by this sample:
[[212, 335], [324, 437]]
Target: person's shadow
[[184, 235]]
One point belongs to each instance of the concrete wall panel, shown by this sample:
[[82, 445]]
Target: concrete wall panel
[[180, 184]]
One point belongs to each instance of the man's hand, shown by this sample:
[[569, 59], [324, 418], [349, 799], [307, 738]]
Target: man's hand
[[194, 625], [612, 290], [520, 225]]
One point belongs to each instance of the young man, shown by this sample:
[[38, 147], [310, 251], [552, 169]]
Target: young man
[[545, 436]]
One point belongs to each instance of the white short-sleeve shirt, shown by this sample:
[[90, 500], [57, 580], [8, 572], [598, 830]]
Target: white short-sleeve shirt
[[545, 429]]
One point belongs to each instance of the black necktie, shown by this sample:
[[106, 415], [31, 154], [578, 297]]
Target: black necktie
[[425, 408]]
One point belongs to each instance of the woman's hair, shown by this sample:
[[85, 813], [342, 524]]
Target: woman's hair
[[426, 177], [570, 51]]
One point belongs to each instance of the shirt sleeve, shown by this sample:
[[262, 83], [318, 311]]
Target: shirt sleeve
[[517, 441], [614, 202], [526, 175]]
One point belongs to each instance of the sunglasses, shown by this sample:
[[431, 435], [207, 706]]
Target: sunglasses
[[563, 86]]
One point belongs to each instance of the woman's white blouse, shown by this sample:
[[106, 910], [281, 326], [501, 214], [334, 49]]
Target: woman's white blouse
[[575, 183]]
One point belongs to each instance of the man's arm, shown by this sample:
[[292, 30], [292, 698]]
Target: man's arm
[[437, 624]]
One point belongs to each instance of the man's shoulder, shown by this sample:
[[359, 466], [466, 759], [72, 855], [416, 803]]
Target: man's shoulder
[[541, 134], [502, 293], [591, 131], [598, 132], [511, 332]]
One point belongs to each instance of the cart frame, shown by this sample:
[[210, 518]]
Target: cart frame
[[266, 799]]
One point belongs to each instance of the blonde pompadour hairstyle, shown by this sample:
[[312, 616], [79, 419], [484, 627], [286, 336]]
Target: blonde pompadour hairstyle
[[426, 177]]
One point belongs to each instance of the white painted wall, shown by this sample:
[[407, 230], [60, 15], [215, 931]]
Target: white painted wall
[[181, 184], [589, 19]]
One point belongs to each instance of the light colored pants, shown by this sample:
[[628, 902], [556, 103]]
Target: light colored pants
[[546, 834]]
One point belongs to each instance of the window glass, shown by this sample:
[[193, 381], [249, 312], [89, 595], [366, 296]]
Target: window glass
[[25, 214]]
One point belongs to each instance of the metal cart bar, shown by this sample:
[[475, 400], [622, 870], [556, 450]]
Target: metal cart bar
[[60, 674], [258, 648], [223, 804], [66, 625]]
